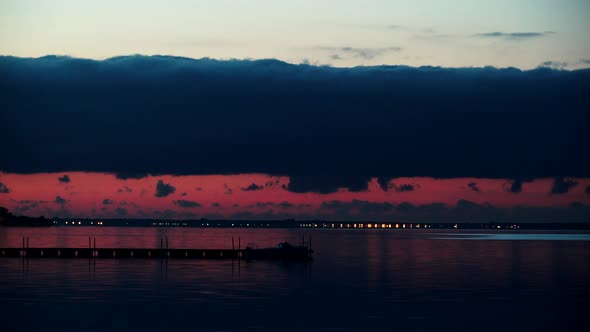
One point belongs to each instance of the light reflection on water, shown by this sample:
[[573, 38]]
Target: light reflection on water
[[513, 236], [360, 280]]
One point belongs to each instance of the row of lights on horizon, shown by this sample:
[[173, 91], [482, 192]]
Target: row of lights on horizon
[[73, 223], [311, 225], [365, 225], [302, 225]]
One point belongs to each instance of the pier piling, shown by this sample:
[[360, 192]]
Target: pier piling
[[92, 252]]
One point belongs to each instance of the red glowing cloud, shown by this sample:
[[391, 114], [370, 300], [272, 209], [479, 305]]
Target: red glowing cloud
[[258, 196]]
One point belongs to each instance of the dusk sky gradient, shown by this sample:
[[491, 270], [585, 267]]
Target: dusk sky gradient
[[337, 110], [455, 33], [252, 196]]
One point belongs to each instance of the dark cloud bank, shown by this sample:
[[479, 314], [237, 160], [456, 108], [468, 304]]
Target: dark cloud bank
[[187, 204], [355, 210], [464, 212], [324, 127]]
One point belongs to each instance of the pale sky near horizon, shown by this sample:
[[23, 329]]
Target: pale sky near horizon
[[454, 33]]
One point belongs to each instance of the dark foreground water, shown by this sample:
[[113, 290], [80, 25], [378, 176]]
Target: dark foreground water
[[358, 281]]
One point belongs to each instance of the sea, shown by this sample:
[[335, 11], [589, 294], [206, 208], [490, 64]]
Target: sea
[[358, 280]]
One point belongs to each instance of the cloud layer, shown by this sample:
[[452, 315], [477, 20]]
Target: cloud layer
[[324, 127], [164, 189], [187, 204], [463, 211], [4, 188], [514, 35], [366, 53], [64, 179]]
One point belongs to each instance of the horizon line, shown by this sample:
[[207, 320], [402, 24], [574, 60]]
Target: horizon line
[[285, 62]]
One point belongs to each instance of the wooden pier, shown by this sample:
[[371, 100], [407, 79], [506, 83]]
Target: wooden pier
[[92, 252], [121, 253]]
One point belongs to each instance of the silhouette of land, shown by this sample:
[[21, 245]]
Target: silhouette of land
[[7, 219]]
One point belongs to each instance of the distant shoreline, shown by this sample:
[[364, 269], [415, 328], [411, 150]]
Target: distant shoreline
[[9, 220], [317, 224]]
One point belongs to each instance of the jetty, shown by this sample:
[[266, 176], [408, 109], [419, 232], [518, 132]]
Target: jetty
[[283, 251]]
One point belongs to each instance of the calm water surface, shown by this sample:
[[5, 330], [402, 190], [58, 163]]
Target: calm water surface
[[358, 281]]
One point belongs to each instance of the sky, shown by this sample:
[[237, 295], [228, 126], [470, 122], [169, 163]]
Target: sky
[[356, 110], [455, 33], [260, 196]]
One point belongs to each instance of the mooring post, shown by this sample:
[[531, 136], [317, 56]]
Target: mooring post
[[239, 247], [26, 258], [309, 251]]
